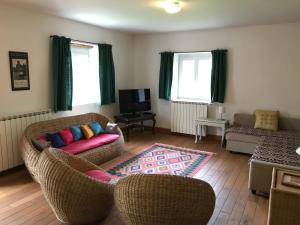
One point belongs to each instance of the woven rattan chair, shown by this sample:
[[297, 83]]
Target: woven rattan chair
[[74, 197], [164, 200], [97, 156]]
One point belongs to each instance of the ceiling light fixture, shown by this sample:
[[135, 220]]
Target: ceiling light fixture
[[172, 7]]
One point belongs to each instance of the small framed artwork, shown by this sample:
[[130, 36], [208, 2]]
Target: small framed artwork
[[291, 180], [19, 71]]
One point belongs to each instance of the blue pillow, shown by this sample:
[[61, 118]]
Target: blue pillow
[[56, 140], [96, 128], [77, 133]]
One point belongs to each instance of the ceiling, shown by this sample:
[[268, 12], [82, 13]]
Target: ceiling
[[146, 15]]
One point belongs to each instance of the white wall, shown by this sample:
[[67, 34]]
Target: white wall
[[263, 66], [28, 31], [263, 62]]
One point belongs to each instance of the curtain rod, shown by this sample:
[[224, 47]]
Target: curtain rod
[[87, 42]]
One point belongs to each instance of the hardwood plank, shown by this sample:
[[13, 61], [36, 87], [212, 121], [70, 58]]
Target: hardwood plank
[[30, 215], [261, 212], [46, 220], [20, 214], [26, 199], [214, 216], [9, 210], [229, 176], [222, 219], [235, 190], [248, 214], [239, 205]]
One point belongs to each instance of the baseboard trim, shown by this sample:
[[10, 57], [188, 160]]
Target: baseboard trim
[[168, 131], [12, 170]]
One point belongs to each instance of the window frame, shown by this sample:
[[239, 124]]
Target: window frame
[[177, 68], [76, 48]]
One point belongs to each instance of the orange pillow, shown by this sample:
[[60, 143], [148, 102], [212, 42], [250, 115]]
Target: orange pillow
[[87, 132]]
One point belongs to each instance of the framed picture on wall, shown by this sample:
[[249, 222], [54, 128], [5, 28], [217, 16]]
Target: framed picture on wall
[[19, 71]]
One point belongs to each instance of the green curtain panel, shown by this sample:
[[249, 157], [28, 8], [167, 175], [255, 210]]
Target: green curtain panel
[[106, 74], [218, 75], [62, 73], [166, 75]]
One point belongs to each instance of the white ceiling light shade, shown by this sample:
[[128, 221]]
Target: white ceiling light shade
[[172, 7]]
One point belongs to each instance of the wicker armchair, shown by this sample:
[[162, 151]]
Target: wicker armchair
[[97, 156], [74, 197], [164, 200]]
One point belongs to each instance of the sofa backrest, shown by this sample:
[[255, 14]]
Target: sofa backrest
[[244, 120], [49, 126], [248, 120], [289, 124]]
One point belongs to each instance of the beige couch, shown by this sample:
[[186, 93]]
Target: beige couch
[[272, 152], [242, 137], [269, 148]]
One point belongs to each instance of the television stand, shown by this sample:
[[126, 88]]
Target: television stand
[[130, 121]]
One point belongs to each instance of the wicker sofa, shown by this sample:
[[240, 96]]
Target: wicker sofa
[[96, 155], [268, 148]]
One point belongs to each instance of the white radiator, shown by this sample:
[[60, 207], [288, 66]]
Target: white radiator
[[183, 115], [11, 131]]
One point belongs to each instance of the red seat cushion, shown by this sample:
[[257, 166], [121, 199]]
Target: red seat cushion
[[86, 144], [99, 175]]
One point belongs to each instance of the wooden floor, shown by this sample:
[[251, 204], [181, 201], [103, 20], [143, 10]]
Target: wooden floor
[[21, 200]]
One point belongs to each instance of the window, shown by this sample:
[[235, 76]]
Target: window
[[192, 76], [85, 65]]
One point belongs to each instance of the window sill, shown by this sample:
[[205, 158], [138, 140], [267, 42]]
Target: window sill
[[86, 104], [191, 101]]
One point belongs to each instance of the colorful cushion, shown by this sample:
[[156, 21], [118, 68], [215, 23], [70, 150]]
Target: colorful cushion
[[96, 128], [77, 133], [266, 119], [100, 175], [66, 135], [111, 128], [41, 143], [87, 144], [87, 132], [56, 140]]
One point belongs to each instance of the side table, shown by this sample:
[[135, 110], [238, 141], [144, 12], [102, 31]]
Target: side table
[[284, 204], [200, 122]]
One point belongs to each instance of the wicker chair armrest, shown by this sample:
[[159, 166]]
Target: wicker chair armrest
[[120, 133], [30, 155], [103, 120], [147, 199], [82, 165], [74, 197]]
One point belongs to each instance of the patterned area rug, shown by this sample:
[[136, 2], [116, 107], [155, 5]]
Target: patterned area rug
[[161, 159]]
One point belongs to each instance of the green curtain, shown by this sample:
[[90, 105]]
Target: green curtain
[[106, 74], [166, 75], [218, 75], [62, 73]]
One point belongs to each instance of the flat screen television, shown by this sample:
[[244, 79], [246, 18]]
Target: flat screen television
[[134, 100]]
